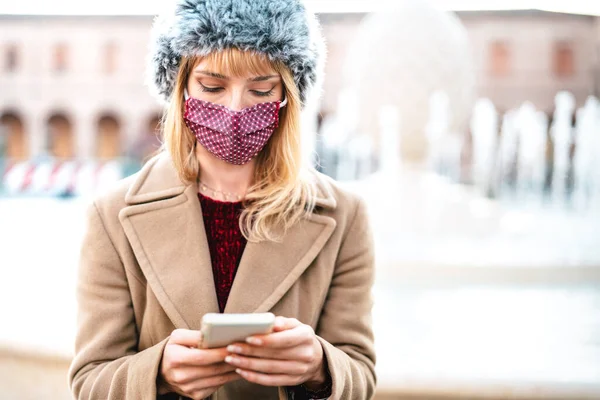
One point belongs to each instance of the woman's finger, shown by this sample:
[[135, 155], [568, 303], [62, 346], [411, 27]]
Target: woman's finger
[[201, 388], [202, 393], [181, 356], [185, 375], [186, 337], [291, 353], [269, 379], [280, 340], [205, 383], [268, 366], [283, 323]]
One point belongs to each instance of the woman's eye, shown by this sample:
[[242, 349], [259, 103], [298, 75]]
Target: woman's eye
[[216, 89], [263, 94], [210, 89]]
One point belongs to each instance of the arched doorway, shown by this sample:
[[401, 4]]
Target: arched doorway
[[13, 143], [108, 138], [60, 137]]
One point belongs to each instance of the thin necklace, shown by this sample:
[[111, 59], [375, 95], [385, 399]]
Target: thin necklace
[[226, 195]]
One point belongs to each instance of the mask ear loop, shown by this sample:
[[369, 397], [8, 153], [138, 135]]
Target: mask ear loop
[[283, 103]]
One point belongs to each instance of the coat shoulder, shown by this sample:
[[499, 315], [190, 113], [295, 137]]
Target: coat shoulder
[[114, 198], [345, 199], [117, 196]]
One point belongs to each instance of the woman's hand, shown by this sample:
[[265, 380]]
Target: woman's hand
[[289, 356], [192, 372]]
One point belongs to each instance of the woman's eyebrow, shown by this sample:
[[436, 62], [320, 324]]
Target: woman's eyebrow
[[212, 74], [263, 78], [220, 76]]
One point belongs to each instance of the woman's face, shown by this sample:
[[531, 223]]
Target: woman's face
[[235, 93]]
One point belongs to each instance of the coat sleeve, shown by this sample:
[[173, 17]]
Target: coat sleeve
[[344, 329], [107, 364]]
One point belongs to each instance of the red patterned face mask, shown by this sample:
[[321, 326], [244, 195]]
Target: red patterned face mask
[[233, 136]]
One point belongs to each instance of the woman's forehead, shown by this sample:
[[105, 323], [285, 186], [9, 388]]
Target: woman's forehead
[[235, 63]]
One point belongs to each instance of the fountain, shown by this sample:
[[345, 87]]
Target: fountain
[[484, 128], [586, 167], [562, 136], [389, 140], [507, 154], [400, 57], [532, 144]]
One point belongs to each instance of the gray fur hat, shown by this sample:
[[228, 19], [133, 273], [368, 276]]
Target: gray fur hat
[[282, 29]]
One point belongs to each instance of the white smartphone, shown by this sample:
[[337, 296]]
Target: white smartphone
[[220, 330]]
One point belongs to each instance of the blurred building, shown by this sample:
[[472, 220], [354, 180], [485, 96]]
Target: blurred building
[[73, 87]]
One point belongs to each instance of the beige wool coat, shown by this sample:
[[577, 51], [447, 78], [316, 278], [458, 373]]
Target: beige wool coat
[[145, 270]]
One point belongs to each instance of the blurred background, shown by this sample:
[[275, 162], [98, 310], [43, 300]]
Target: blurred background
[[472, 129]]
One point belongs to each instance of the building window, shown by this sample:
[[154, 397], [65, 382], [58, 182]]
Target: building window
[[499, 58], [60, 57], [564, 60], [11, 60], [110, 58]]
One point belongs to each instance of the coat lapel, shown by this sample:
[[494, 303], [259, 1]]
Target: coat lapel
[[165, 228], [267, 269]]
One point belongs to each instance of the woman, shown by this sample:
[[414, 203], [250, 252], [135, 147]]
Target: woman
[[226, 219]]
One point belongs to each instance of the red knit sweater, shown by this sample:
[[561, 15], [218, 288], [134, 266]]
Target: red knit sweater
[[225, 241]]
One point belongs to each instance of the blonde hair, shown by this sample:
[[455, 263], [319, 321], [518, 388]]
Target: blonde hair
[[282, 192]]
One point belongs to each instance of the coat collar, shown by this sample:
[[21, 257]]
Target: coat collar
[[165, 228]]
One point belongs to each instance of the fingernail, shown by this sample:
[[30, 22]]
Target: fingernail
[[254, 341], [228, 359], [234, 349], [239, 371]]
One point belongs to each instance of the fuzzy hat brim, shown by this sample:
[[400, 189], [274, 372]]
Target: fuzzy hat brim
[[283, 30]]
